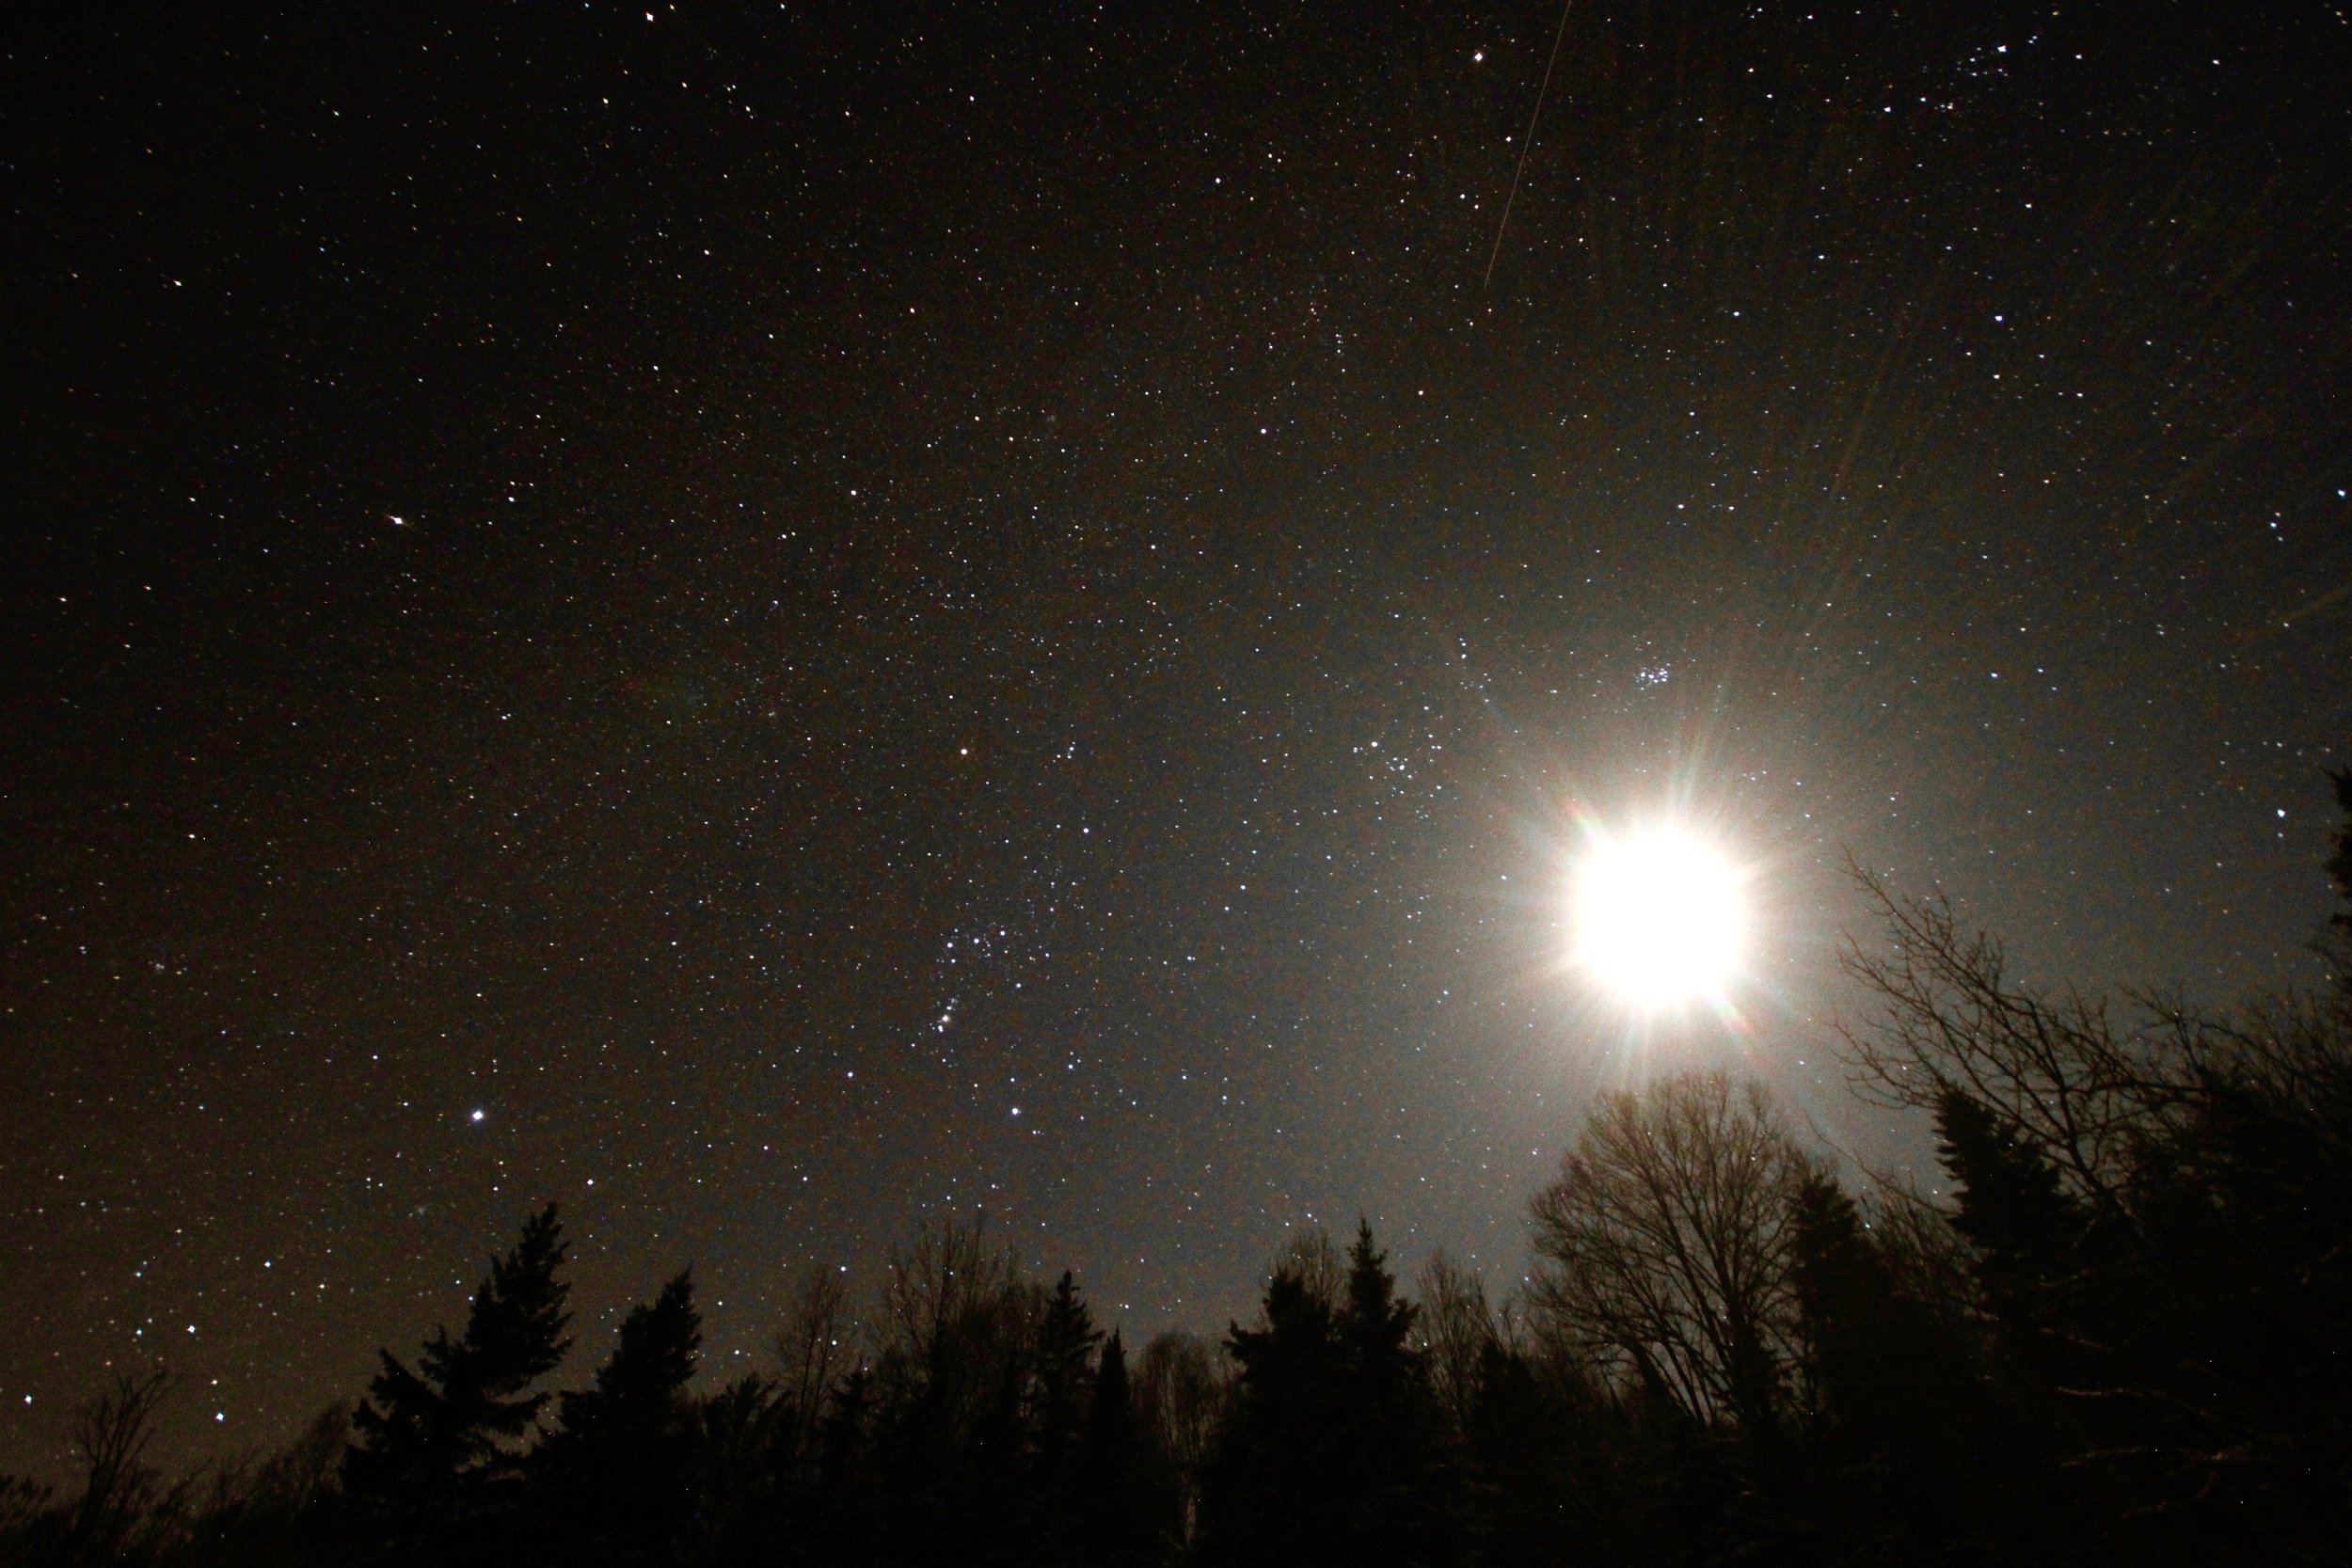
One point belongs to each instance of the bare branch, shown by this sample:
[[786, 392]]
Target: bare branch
[[1665, 1247]]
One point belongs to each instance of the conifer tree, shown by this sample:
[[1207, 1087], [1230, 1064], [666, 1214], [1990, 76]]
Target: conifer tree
[[1397, 1494], [841, 1435], [1110, 1417], [1066, 1338], [1517, 1439], [1895, 1414], [1846, 1295], [844, 1477], [1109, 1507], [1375, 1330], [1270, 1491], [639, 1390], [619, 1465], [1331, 1453], [2031, 1257], [430, 1442], [2013, 1208]]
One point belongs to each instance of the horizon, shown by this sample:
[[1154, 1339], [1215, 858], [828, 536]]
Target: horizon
[[771, 622]]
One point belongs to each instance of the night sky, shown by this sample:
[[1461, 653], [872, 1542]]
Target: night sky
[[768, 621]]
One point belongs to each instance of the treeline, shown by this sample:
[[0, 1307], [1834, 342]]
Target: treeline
[[2119, 1335]]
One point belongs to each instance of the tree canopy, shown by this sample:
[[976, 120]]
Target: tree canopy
[[2116, 1336]]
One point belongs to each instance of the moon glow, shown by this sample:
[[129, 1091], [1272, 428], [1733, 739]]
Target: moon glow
[[1659, 918]]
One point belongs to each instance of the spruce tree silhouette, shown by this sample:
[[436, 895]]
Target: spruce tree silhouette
[[1402, 1498], [842, 1436], [832, 1519], [2121, 1342], [2064, 1301], [1066, 1338], [1905, 1445], [431, 1454], [1110, 1416], [1520, 1438], [2013, 1208], [1116, 1519], [1376, 1329], [619, 1468], [1855, 1339], [1329, 1456], [1271, 1492]]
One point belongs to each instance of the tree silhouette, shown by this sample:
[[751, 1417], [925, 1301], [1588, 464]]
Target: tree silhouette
[[638, 1393], [1270, 1491], [1665, 1245], [1399, 1496], [1455, 1327], [433, 1444], [950, 1449], [1111, 1416], [2147, 1203], [834, 1514], [619, 1465], [1375, 1330], [1329, 1454], [2119, 1339], [1181, 1389], [1118, 1515], [1918, 1460], [2011, 1207], [122, 1499], [1066, 1338]]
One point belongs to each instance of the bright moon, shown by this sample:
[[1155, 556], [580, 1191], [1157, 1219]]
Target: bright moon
[[1657, 918]]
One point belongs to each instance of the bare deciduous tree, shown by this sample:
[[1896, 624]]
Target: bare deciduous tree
[[1457, 1328], [287, 1481], [2057, 1070], [1665, 1247], [2203, 1153], [1181, 1385], [2099, 1099], [956, 1315], [1310, 1258], [122, 1496], [813, 1350], [933, 1284]]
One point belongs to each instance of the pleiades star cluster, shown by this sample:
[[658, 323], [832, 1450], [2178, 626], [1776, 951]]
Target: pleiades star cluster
[[768, 620]]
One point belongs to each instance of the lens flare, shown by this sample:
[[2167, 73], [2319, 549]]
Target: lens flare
[[1659, 918]]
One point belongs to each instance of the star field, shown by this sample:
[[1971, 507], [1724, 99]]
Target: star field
[[764, 620]]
